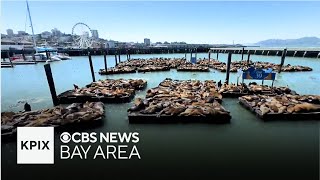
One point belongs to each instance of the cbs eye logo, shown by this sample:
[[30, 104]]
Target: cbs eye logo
[[65, 137]]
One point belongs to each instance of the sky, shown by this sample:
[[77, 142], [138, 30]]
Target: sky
[[191, 22]]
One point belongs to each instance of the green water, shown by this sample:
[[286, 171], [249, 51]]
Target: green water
[[246, 147]]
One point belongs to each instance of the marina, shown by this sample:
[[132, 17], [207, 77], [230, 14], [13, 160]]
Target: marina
[[168, 90]]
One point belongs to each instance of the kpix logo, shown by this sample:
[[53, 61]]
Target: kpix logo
[[35, 145]]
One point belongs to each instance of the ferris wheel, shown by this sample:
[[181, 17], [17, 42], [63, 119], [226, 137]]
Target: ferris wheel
[[82, 35]]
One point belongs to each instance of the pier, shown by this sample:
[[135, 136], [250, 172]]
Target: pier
[[266, 51], [270, 51]]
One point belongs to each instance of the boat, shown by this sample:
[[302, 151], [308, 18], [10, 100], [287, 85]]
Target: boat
[[63, 56], [44, 53]]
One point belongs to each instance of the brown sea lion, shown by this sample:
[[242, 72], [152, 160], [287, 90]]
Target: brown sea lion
[[306, 107]]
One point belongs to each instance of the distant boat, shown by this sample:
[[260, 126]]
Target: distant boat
[[44, 53]]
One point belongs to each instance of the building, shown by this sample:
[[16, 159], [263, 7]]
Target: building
[[95, 34], [63, 39], [45, 35], [110, 44], [21, 33], [10, 32], [56, 32], [146, 42]]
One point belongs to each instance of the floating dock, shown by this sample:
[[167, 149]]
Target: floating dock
[[109, 91], [272, 116], [178, 101], [67, 97], [61, 117], [108, 72], [153, 118]]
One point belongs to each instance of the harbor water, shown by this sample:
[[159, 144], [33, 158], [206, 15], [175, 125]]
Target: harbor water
[[246, 147]]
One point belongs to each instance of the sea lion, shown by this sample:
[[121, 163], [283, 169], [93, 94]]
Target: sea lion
[[192, 112], [290, 109], [6, 117], [138, 105], [27, 107], [306, 107], [264, 110]]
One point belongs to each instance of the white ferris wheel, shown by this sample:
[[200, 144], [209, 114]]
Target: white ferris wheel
[[82, 35]]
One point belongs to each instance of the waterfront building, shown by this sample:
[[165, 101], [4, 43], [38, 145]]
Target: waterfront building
[[45, 35], [146, 42], [10, 32], [21, 33], [95, 34], [110, 44], [56, 32], [7, 44]]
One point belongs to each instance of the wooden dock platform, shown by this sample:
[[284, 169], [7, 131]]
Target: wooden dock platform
[[135, 117], [280, 116]]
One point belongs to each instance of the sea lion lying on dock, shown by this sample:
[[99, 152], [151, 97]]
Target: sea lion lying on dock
[[281, 104], [182, 98], [109, 88], [56, 116]]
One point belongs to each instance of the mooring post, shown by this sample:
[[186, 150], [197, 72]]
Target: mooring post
[[47, 54], [105, 60], [196, 53], [228, 67], [217, 55], [119, 55], [191, 55], [23, 55], [242, 53], [8, 54], [55, 99], [127, 55], [283, 57], [115, 57], [91, 68], [209, 55], [248, 61]]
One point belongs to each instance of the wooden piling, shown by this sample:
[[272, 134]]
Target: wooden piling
[[52, 88], [119, 55], [217, 55], [248, 60], [283, 57], [242, 53], [23, 55], [8, 54], [228, 67], [115, 58], [127, 55], [196, 53], [47, 54], [105, 60], [209, 55], [91, 68]]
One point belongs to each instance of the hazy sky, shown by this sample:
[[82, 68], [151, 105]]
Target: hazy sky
[[192, 22]]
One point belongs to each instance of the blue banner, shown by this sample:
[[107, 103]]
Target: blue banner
[[259, 74]]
